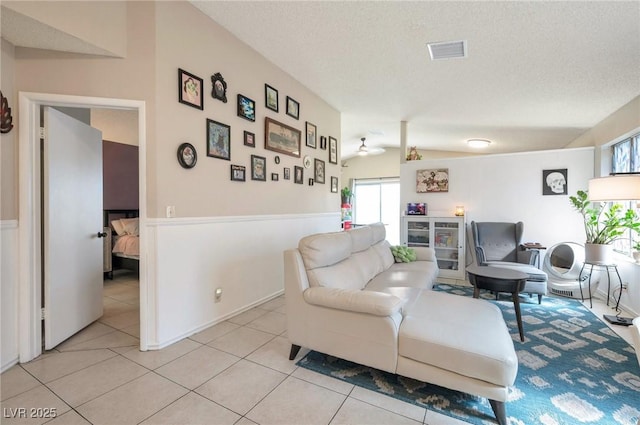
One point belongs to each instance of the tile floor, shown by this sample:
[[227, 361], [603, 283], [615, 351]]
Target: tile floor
[[236, 372]]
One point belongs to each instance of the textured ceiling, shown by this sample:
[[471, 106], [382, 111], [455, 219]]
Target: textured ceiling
[[537, 75]]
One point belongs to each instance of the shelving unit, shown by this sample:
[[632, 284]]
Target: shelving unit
[[444, 234]]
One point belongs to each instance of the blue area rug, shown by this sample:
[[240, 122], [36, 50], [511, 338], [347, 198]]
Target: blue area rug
[[573, 369]]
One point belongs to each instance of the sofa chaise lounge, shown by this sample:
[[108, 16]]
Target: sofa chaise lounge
[[347, 297]]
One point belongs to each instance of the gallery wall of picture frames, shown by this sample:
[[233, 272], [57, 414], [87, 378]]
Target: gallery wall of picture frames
[[280, 137]]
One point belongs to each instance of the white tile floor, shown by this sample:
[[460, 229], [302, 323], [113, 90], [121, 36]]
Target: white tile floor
[[236, 372]]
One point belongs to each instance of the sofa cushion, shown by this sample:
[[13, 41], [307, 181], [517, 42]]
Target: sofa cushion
[[361, 238], [346, 274], [379, 232], [395, 277], [376, 303], [324, 249], [369, 263], [464, 335], [383, 249]]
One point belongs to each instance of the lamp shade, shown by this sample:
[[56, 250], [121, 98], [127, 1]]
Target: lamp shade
[[621, 187]]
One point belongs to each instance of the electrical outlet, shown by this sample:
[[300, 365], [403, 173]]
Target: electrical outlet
[[171, 211], [218, 295]]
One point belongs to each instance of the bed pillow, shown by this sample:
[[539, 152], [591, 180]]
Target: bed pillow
[[131, 226], [118, 227]]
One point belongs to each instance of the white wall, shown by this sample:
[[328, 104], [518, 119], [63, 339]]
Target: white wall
[[8, 293], [241, 255], [508, 187]]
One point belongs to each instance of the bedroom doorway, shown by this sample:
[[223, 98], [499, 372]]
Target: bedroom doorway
[[30, 235]]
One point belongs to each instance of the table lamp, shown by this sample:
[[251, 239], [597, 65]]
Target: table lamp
[[616, 187]]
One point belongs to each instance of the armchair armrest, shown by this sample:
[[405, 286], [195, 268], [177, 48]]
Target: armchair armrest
[[527, 256], [425, 254], [371, 302], [482, 259]]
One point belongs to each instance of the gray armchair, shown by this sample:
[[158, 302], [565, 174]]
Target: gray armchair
[[500, 245]]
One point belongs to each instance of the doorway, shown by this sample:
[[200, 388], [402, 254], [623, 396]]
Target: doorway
[[30, 218]]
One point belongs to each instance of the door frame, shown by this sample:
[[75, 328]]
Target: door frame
[[29, 233]]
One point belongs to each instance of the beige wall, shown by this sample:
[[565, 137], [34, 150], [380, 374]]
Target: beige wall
[[622, 123], [8, 141], [117, 125], [206, 190], [97, 23]]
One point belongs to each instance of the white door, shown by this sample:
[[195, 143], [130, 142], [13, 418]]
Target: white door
[[72, 221]]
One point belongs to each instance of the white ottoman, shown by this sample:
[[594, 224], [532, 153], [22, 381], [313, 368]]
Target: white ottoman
[[459, 343]]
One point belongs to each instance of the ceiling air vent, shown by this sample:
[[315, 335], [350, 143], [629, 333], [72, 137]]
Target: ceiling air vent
[[448, 50]]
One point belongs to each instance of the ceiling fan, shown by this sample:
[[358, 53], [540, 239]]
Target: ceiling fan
[[365, 150]]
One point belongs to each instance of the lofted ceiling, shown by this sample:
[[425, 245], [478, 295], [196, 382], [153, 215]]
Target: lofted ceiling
[[537, 75]]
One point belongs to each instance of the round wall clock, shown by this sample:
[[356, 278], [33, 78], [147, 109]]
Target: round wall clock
[[187, 155], [306, 161]]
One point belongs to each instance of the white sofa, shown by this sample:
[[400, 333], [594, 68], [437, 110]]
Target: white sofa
[[346, 297]]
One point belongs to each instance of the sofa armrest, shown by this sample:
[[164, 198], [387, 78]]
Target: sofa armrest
[[425, 254], [370, 302]]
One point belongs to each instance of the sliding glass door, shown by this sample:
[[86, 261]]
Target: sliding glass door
[[378, 200]]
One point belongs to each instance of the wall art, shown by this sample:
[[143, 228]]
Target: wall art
[[6, 120], [187, 155], [323, 142], [274, 177], [334, 184], [246, 108], [270, 98], [286, 173], [333, 150], [219, 89], [258, 168], [312, 132], [190, 89], [238, 173], [218, 140], [293, 108], [281, 138], [318, 167], [298, 174], [555, 182], [249, 139], [435, 180]]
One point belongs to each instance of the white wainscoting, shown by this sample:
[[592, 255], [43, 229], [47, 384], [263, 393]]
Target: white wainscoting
[[9, 353], [188, 258]]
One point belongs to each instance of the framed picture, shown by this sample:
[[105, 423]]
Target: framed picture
[[219, 87], [318, 168], [187, 156], [246, 108], [281, 138], [218, 140], [323, 142], [274, 177], [298, 174], [249, 139], [310, 181], [258, 168], [311, 135], [238, 173], [434, 180], [334, 184], [190, 89], [286, 173], [333, 150], [554, 182], [270, 98], [293, 108]]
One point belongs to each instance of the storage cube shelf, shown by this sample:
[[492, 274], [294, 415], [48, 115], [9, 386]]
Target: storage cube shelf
[[444, 234]]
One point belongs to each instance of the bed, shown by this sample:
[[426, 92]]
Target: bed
[[122, 244]]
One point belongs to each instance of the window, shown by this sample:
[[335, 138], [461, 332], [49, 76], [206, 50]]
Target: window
[[625, 158], [378, 200]]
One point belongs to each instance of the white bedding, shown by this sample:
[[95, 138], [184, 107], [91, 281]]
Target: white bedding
[[127, 245]]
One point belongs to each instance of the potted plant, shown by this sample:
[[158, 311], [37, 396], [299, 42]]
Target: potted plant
[[346, 195], [602, 226]]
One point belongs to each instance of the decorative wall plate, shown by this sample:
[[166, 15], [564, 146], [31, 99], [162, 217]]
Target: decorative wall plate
[[306, 161], [187, 155]]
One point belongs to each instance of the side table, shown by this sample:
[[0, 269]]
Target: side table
[[608, 268], [498, 279]]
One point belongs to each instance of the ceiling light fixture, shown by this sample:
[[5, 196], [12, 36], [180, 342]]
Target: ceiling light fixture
[[363, 149], [478, 143]]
